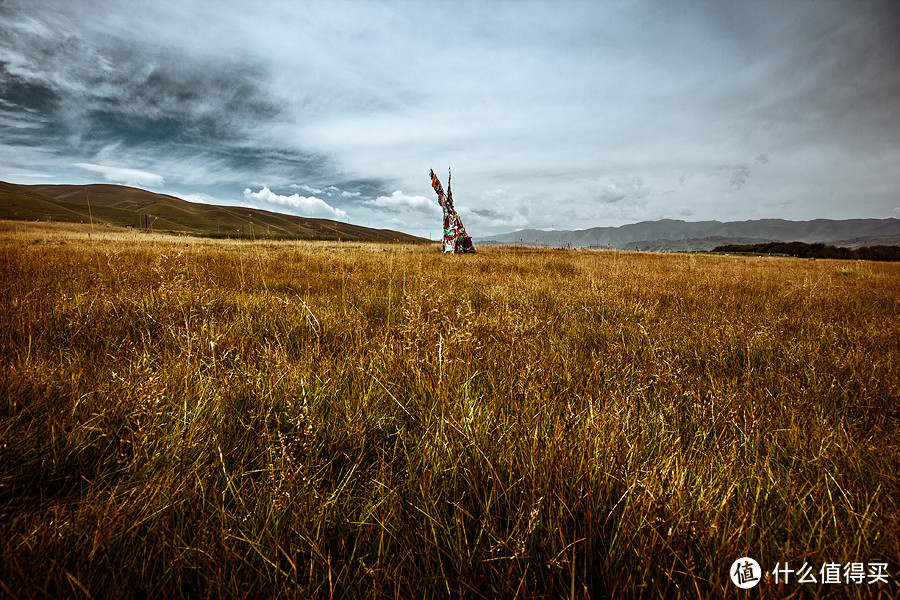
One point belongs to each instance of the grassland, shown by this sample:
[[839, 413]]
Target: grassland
[[209, 418]]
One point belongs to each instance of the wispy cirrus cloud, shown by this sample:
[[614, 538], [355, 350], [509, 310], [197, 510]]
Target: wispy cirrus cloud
[[127, 176]]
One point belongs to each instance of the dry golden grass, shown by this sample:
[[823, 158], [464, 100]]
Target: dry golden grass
[[187, 417]]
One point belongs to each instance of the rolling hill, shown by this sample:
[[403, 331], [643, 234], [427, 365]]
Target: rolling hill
[[674, 235], [124, 206]]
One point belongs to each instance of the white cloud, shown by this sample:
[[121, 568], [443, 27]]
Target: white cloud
[[399, 202], [197, 198], [123, 175], [307, 206], [42, 176], [330, 191], [306, 188]]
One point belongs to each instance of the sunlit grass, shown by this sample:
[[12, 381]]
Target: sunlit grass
[[189, 417]]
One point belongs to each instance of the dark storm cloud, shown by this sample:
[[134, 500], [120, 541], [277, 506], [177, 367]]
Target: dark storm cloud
[[26, 96], [87, 96], [135, 96], [26, 111], [212, 103]]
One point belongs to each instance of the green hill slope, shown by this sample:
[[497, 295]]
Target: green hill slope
[[23, 204], [126, 206]]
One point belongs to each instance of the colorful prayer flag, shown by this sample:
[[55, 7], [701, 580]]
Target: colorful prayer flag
[[456, 239]]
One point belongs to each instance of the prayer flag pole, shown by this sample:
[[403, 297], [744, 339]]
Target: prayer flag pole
[[456, 240]]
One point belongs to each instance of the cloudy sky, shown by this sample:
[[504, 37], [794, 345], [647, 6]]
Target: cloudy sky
[[562, 115]]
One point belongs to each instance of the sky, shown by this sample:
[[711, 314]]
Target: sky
[[552, 115]]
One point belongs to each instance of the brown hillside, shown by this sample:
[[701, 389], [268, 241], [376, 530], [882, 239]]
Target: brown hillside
[[119, 205]]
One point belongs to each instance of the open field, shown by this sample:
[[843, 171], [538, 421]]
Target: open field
[[205, 418]]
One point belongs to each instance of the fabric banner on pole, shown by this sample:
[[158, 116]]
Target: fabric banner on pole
[[456, 239]]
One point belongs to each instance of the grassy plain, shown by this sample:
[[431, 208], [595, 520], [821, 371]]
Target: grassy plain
[[204, 418]]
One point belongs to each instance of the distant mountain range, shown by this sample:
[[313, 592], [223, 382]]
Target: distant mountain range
[[670, 235], [124, 206]]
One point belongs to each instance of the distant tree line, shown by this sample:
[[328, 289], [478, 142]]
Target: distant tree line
[[802, 250]]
